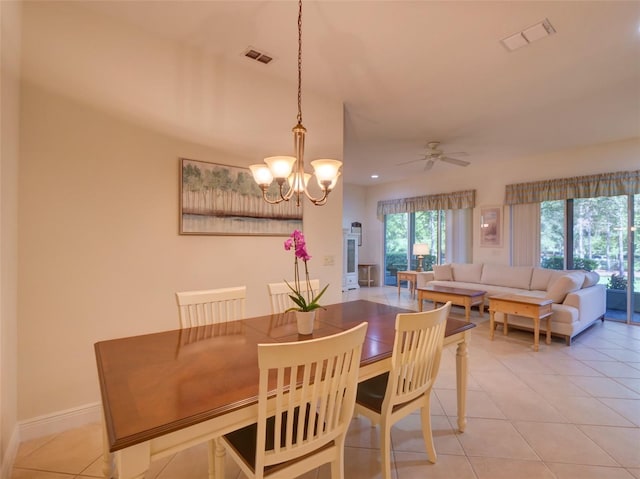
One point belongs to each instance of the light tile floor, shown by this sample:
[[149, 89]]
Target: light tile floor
[[564, 412]]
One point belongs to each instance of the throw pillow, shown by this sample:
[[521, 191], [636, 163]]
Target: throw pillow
[[591, 278], [442, 272], [564, 285]]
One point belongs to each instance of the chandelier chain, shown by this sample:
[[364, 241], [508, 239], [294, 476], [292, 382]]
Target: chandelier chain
[[300, 62]]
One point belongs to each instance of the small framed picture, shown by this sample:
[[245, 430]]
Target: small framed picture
[[491, 226]]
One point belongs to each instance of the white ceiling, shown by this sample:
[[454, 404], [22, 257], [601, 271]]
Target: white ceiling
[[412, 72]]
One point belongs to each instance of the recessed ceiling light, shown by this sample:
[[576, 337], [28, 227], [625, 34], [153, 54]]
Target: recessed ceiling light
[[375, 177]]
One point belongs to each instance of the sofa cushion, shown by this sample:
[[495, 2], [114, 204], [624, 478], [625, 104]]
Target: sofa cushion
[[591, 278], [540, 278], [469, 273], [564, 285], [442, 272], [501, 275]]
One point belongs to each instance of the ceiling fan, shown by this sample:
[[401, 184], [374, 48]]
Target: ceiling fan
[[433, 154]]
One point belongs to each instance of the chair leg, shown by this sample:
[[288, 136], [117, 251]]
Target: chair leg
[[385, 446], [427, 431], [337, 465]]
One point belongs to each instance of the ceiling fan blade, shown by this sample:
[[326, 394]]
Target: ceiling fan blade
[[410, 161], [428, 165], [455, 161], [458, 153]]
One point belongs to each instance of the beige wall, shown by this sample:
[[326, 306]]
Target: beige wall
[[100, 256], [10, 14], [489, 181]]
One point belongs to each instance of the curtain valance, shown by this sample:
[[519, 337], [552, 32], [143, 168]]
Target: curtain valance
[[605, 184], [443, 201]]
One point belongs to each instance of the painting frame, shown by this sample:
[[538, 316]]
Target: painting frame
[[491, 226], [223, 200]]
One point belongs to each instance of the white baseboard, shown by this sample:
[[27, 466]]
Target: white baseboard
[[60, 421], [10, 454]]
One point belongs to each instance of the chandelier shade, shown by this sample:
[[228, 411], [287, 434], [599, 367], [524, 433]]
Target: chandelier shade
[[280, 166], [261, 174], [288, 171]]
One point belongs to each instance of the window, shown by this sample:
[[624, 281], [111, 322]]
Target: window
[[427, 219], [597, 229], [396, 245], [402, 230], [593, 234]]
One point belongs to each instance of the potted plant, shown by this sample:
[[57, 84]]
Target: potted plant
[[617, 292], [306, 302]]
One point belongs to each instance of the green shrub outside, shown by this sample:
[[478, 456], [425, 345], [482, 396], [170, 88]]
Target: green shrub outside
[[617, 281], [557, 262], [398, 262]]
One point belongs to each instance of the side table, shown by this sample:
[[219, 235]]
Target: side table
[[534, 308], [411, 277], [366, 268]]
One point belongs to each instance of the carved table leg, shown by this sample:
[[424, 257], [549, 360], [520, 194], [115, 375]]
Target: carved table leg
[[462, 355], [218, 460]]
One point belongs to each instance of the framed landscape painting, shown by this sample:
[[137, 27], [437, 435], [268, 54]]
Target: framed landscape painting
[[224, 200], [491, 226]]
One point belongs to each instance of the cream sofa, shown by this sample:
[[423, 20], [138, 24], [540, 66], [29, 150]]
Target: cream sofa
[[578, 299]]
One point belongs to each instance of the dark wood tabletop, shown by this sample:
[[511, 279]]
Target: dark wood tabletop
[[158, 383]]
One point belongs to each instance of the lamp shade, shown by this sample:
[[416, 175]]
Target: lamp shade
[[421, 249], [280, 166], [261, 174], [326, 169], [297, 183]]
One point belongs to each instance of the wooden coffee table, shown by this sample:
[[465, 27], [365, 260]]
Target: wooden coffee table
[[457, 296], [534, 308]]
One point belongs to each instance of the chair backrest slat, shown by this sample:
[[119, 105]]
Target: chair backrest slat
[[212, 306], [308, 388], [279, 294]]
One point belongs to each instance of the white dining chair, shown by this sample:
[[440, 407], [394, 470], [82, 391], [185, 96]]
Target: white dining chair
[[306, 396], [279, 294], [211, 306], [206, 308], [415, 361]]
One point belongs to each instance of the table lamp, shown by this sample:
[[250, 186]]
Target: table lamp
[[420, 250]]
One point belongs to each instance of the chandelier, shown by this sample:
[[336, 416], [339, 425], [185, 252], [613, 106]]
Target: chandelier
[[288, 171]]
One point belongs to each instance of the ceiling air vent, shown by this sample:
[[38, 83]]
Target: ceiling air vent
[[528, 35], [257, 55]]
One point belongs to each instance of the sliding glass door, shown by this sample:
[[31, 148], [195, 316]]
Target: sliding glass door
[[430, 228], [597, 234], [396, 246], [402, 231]]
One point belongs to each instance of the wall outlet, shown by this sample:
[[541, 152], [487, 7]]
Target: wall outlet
[[329, 260]]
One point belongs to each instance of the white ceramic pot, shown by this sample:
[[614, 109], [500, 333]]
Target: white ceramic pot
[[304, 321]]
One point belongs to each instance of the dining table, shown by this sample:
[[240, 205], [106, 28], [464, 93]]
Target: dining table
[[166, 391]]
